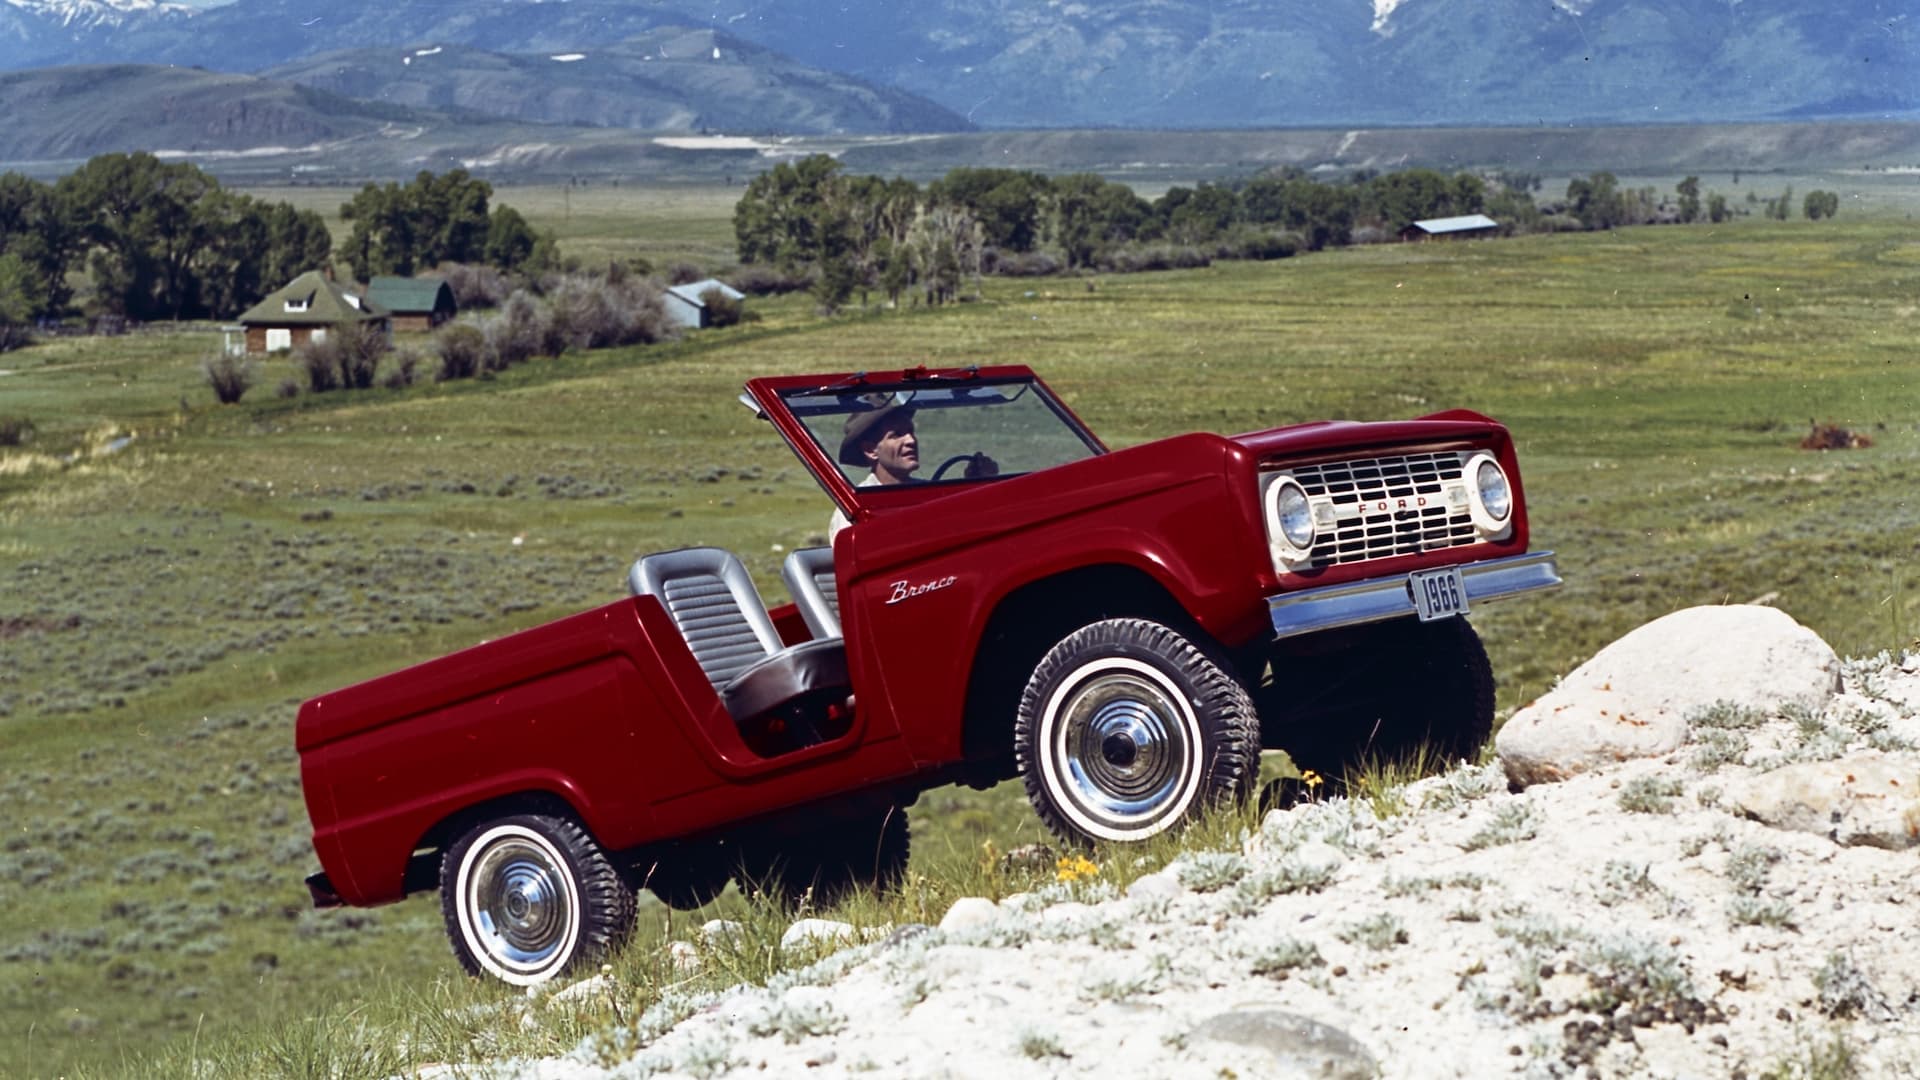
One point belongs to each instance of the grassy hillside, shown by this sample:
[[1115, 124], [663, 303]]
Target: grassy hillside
[[163, 607]]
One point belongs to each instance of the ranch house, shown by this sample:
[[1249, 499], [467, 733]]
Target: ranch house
[[298, 312]]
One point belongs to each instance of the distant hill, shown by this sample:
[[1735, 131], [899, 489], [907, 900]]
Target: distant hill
[[667, 80], [76, 112], [1192, 64]]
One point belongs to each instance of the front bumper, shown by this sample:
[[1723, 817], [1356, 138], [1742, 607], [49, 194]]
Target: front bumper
[[1379, 599]]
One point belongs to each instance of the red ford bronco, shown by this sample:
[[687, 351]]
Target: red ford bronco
[[1124, 630]]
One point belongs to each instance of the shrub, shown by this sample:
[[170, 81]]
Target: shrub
[[322, 375], [349, 356], [589, 314], [759, 279], [1021, 264], [14, 336], [722, 309], [521, 331], [288, 388], [1134, 260], [229, 374], [1264, 246], [462, 349], [406, 370], [684, 273], [15, 430], [475, 286]]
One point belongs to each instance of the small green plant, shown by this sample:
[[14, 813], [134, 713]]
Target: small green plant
[[1650, 795], [1377, 932], [1623, 879], [1509, 823], [1285, 955], [1748, 866], [1381, 783], [1040, 1046], [1760, 911], [1831, 1058], [1396, 887], [1845, 991], [1210, 871]]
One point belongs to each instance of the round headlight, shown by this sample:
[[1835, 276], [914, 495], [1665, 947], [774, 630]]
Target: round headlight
[[1490, 481], [1294, 515]]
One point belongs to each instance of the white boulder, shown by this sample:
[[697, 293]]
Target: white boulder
[[1632, 699], [1866, 799]]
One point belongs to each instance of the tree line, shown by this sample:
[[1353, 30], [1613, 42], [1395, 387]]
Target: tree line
[[845, 234], [152, 240]]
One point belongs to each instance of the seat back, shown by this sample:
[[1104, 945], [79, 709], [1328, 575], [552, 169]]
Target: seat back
[[709, 596], [808, 573]]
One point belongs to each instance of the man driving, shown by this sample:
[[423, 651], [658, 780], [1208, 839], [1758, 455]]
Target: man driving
[[883, 440]]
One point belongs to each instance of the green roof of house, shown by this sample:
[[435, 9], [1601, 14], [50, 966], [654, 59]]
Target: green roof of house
[[315, 300], [409, 295]]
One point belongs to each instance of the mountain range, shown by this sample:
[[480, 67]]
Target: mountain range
[[1074, 63]]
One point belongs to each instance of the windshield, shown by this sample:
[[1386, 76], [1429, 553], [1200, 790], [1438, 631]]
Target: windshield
[[1013, 423]]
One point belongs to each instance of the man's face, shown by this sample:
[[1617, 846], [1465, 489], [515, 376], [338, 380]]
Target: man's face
[[897, 453]]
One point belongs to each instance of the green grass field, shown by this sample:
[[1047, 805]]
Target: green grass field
[[163, 608]]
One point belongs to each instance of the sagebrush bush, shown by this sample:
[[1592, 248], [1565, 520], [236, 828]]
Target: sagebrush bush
[[229, 374], [475, 285], [760, 279], [1021, 264], [1263, 246], [406, 370], [684, 273], [722, 309], [462, 349], [520, 332], [595, 314], [322, 375], [348, 357], [1135, 260]]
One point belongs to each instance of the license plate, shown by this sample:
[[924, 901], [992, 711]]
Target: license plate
[[1438, 594]]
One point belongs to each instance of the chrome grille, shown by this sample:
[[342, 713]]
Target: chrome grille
[[1376, 506]]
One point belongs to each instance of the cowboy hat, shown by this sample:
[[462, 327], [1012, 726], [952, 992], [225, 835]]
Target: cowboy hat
[[859, 424]]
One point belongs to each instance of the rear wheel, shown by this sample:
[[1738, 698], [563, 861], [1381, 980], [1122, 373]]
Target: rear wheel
[[530, 896], [1402, 692], [1127, 728]]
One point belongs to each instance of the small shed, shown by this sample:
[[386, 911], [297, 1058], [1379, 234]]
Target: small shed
[[685, 307], [1451, 228], [415, 303], [300, 311]]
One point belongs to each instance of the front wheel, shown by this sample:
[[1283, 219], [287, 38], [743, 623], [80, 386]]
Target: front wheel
[[530, 896], [1126, 728]]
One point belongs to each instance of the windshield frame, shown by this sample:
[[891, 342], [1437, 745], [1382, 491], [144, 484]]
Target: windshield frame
[[769, 397]]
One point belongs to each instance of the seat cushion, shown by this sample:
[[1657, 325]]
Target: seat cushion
[[786, 675]]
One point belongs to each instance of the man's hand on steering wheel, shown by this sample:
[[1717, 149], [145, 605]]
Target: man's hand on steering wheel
[[978, 464]]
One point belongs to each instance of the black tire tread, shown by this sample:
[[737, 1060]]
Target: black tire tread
[[1233, 765], [607, 901]]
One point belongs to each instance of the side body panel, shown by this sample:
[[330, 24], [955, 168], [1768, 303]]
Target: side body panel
[[606, 710]]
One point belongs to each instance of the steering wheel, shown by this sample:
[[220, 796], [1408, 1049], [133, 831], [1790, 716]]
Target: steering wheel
[[957, 459]]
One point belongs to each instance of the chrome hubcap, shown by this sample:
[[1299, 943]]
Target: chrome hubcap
[[1123, 748], [522, 904]]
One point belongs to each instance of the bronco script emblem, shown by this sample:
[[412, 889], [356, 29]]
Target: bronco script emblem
[[904, 591]]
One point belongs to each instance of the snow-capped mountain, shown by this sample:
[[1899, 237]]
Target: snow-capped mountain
[[1133, 63], [90, 14]]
